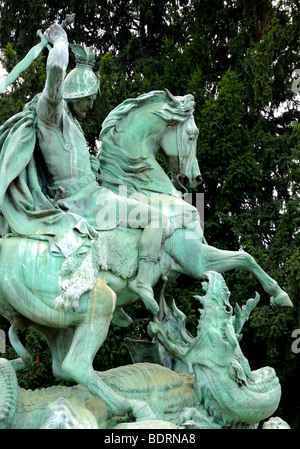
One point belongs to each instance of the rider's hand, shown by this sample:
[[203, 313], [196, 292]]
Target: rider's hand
[[54, 32]]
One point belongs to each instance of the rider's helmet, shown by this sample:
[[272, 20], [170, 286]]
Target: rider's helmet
[[81, 81]]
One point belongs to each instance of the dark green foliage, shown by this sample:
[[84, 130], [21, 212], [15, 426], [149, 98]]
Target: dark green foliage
[[237, 58]]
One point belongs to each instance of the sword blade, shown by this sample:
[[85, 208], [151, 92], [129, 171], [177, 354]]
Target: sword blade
[[23, 65]]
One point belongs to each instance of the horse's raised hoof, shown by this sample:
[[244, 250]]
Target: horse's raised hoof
[[281, 299]]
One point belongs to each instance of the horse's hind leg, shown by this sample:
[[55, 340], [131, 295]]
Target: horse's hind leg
[[88, 337], [59, 341]]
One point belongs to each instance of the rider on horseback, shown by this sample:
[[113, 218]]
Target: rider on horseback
[[70, 177]]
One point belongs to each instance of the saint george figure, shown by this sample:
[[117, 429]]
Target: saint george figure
[[69, 177]]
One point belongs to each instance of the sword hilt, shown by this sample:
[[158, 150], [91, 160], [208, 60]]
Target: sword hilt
[[67, 21], [43, 38]]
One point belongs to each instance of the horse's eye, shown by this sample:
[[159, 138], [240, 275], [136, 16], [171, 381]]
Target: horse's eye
[[192, 137]]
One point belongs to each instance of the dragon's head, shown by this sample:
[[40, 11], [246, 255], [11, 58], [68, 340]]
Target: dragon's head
[[224, 382]]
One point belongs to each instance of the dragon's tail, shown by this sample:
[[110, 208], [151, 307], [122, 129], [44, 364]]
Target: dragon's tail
[[8, 392]]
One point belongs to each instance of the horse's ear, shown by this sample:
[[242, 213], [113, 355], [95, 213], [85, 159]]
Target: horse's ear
[[170, 99]]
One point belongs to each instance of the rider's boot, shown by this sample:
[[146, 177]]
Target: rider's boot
[[149, 247], [142, 284]]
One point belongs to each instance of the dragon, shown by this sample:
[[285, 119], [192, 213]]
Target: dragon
[[210, 385]]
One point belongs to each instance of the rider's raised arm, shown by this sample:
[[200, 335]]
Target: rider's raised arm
[[50, 105]]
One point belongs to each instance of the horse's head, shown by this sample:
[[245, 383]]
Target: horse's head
[[179, 139], [137, 129]]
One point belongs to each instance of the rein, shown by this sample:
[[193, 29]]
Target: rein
[[184, 154]]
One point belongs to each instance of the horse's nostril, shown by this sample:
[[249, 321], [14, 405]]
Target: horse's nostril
[[198, 179]]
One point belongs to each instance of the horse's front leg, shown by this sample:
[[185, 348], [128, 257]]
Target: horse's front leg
[[88, 337], [213, 259]]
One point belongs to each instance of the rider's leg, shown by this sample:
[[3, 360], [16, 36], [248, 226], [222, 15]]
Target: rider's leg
[[156, 226], [149, 246]]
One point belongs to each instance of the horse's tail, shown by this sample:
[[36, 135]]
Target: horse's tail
[[20, 323]]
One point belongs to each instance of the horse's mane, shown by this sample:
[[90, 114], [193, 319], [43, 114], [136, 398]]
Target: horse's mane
[[116, 163]]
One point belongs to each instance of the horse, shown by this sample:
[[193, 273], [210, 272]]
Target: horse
[[31, 276], [132, 135]]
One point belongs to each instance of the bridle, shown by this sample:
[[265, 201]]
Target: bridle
[[185, 153]]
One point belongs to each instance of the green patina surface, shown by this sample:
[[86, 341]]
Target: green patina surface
[[82, 237], [212, 387]]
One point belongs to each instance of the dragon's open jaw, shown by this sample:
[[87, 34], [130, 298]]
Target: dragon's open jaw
[[265, 380]]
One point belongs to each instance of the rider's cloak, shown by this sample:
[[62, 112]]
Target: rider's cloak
[[25, 208]]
